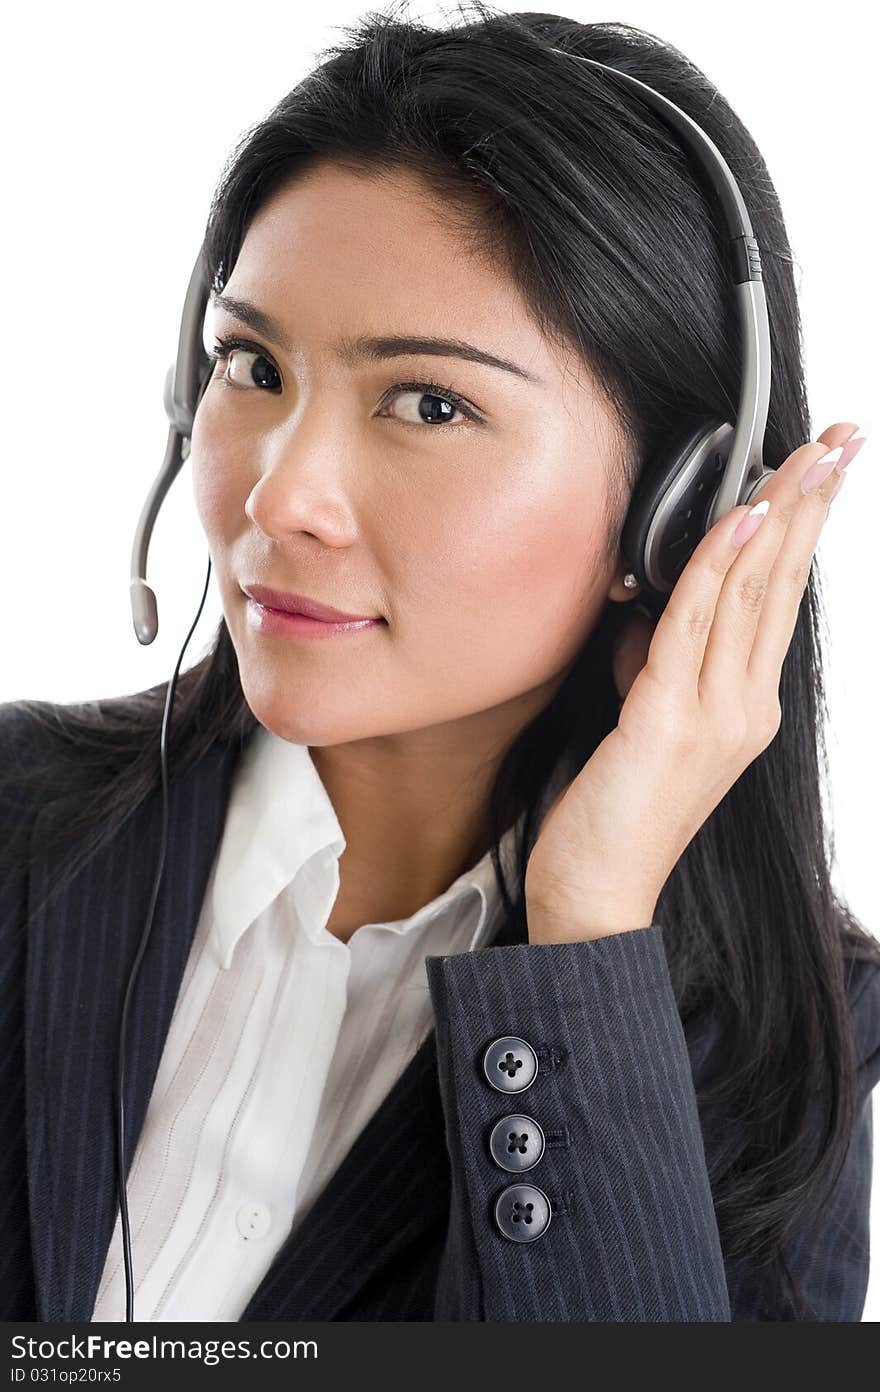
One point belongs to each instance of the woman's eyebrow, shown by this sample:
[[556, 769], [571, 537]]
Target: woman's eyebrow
[[373, 347]]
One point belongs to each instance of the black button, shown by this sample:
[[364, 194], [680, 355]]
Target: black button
[[522, 1212], [516, 1142], [510, 1064]]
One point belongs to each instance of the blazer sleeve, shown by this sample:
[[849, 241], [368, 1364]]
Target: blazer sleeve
[[632, 1234]]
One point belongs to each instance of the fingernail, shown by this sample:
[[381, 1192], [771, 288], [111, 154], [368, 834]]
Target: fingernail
[[750, 523], [818, 472], [851, 448]]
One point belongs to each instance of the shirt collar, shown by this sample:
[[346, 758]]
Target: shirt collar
[[279, 816], [279, 821]]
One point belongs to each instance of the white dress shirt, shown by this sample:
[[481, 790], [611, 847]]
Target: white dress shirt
[[283, 1042]]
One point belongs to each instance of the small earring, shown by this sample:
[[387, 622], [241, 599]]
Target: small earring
[[630, 581]]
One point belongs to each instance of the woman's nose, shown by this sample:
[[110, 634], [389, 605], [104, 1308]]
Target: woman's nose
[[303, 487]]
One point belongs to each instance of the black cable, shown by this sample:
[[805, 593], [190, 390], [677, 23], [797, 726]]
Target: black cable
[[120, 1069]]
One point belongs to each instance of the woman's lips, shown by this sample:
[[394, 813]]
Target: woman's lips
[[300, 604], [282, 624]]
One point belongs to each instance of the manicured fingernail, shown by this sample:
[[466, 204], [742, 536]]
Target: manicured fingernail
[[851, 448], [751, 522], [818, 472]]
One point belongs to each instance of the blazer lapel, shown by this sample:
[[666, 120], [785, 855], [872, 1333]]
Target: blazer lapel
[[81, 948], [390, 1190]]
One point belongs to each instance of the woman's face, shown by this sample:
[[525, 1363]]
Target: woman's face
[[480, 542]]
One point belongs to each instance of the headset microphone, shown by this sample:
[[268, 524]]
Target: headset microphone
[[703, 472]]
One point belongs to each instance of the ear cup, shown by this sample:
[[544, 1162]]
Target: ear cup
[[754, 489], [669, 507], [170, 408], [181, 405]]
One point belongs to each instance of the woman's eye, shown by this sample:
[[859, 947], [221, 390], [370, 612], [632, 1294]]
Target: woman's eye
[[260, 373], [429, 404]]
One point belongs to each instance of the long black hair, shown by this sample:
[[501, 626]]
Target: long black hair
[[594, 207]]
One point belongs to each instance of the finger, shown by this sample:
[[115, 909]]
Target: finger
[[788, 582], [680, 638], [769, 574], [831, 436]]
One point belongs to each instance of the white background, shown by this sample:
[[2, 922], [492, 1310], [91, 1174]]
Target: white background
[[116, 126]]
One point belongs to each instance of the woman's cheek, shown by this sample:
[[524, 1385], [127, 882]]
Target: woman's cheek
[[528, 567], [505, 592], [216, 485]]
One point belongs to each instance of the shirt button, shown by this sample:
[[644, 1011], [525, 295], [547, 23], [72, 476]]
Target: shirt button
[[510, 1064], [253, 1219], [516, 1142], [522, 1212]]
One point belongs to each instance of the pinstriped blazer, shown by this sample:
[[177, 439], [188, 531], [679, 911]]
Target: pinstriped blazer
[[405, 1228]]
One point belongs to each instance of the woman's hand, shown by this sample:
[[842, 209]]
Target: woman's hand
[[701, 702]]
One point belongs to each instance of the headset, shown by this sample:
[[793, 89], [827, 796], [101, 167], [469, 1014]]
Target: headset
[[700, 475]]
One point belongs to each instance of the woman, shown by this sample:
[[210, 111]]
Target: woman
[[501, 835]]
